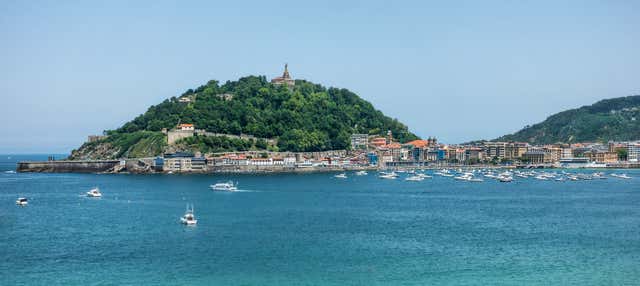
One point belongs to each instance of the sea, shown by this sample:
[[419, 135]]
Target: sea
[[314, 229]]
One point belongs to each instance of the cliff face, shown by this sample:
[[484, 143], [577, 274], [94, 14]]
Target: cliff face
[[122, 145], [95, 151]]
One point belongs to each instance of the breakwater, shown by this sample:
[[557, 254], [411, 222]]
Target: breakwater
[[67, 166]]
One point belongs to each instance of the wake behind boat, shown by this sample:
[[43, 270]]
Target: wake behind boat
[[621, 176], [225, 187]]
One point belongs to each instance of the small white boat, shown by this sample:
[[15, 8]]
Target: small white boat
[[94, 193], [505, 179], [22, 202], [10, 172], [362, 173], [468, 177], [227, 187], [390, 176], [189, 218], [341, 176], [414, 178], [462, 178]]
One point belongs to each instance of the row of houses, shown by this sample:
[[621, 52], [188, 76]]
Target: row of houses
[[385, 151], [188, 162], [428, 151]]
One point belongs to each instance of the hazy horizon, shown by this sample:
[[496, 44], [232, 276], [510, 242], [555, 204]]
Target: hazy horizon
[[457, 71]]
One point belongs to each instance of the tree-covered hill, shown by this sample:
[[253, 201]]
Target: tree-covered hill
[[615, 119], [306, 117]]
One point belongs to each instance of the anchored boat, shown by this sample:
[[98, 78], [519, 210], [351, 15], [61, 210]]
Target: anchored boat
[[189, 218], [227, 187], [22, 202], [341, 176]]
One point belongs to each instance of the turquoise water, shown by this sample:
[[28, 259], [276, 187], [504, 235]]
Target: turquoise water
[[316, 230]]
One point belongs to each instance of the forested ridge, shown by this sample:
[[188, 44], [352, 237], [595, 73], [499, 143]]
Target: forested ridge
[[307, 117], [616, 119]]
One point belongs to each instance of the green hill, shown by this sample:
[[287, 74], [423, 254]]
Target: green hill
[[615, 119], [306, 117]]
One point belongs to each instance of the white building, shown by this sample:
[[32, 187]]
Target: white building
[[290, 161], [261, 162], [633, 151], [186, 127], [177, 164], [359, 141]]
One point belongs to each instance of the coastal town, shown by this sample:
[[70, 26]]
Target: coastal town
[[366, 151], [384, 152]]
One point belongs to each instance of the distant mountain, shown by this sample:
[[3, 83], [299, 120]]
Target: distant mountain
[[609, 119], [301, 115]]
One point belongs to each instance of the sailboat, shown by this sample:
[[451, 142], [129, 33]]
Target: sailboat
[[189, 218]]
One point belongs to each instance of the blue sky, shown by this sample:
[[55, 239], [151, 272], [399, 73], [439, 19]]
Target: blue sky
[[457, 70]]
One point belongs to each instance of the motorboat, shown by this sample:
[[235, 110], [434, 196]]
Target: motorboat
[[390, 176], [226, 187], [22, 202], [468, 177], [94, 193], [414, 178], [10, 172], [505, 179], [362, 173], [189, 218], [443, 173], [341, 176]]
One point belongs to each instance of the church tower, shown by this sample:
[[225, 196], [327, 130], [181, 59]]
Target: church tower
[[285, 78]]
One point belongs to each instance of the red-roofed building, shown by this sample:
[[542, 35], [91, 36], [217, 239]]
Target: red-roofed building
[[186, 127], [379, 141], [418, 143]]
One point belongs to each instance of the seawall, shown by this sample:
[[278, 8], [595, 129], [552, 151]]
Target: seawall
[[68, 166]]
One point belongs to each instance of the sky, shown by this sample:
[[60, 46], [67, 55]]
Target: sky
[[456, 70]]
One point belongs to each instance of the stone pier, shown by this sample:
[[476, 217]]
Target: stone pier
[[93, 166]]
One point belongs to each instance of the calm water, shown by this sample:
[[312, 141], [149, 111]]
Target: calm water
[[317, 230]]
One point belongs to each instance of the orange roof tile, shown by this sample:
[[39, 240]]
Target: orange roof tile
[[393, 146], [418, 143]]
